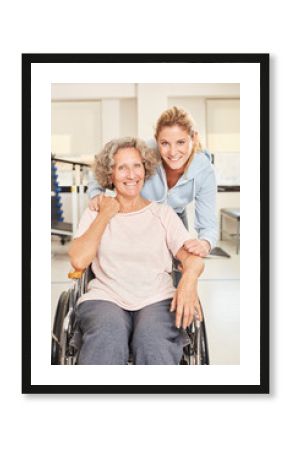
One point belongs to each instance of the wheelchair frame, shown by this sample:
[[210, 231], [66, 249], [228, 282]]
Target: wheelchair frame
[[66, 337]]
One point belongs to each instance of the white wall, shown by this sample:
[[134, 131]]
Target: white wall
[[223, 124], [155, 98], [128, 117], [128, 109], [76, 127], [110, 120], [91, 91]]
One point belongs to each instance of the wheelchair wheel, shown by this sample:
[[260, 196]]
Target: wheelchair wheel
[[59, 334], [196, 352], [204, 345]]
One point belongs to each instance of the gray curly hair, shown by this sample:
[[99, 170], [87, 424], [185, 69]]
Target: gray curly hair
[[104, 161]]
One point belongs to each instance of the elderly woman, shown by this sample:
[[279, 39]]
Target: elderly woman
[[131, 303]]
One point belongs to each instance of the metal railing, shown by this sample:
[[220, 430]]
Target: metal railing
[[77, 189]]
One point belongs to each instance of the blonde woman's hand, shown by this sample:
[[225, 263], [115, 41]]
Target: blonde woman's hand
[[109, 206], [94, 203], [198, 247]]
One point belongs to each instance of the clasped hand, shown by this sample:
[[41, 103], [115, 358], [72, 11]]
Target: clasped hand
[[198, 247], [108, 205]]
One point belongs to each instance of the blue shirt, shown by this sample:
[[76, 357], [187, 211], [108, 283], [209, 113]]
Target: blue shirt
[[197, 184]]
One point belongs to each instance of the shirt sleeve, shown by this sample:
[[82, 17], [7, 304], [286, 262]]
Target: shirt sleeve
[[205, 207], [86, 220], [176, 233]]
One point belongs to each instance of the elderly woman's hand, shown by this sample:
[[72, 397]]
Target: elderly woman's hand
[[109, 206], [185, 302], [198, 247]]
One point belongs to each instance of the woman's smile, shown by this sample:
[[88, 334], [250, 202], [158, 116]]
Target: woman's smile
[[131, 185]]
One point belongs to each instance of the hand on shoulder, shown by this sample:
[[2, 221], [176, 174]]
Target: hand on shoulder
[[198, 247], [94, 203]]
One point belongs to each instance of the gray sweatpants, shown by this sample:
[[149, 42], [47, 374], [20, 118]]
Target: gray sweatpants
[[110, 333]]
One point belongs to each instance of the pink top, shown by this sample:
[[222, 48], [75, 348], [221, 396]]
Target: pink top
[[134, 262]]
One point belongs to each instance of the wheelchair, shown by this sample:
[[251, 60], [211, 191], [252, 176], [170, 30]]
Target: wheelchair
[[66, 335]]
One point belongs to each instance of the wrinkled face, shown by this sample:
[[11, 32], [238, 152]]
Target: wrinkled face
[[175, 146], [128, 172]]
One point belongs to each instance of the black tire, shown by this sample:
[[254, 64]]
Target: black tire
[[196, 353], [204, 345], [57, 337]]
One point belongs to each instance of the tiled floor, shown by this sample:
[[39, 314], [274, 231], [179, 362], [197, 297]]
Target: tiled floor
[[219, 289]]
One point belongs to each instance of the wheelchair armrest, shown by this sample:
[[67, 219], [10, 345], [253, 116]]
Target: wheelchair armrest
[[76, 274]]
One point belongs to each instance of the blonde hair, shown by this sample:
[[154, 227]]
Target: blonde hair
[[178, 116], [104, 161]]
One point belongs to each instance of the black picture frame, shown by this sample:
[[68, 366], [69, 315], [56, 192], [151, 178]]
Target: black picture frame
[[263, 61]]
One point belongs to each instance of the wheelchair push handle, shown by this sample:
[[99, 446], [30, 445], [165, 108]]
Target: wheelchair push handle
[[75, 274]]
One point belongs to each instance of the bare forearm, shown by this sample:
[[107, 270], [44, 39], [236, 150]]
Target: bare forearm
[[185, 301], [84, 249], [191, 265]]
